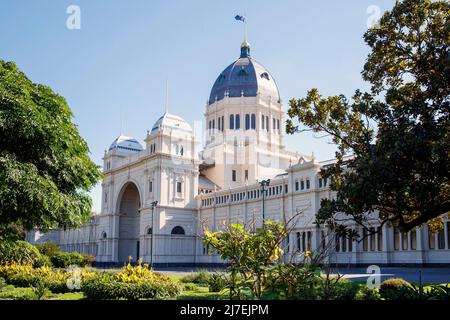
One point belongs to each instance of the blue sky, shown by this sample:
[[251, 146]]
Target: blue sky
[[113, 70]]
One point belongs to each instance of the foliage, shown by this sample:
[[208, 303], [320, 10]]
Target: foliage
[[438, 292], [132, 283], [202, 296], [27, 276], [66, 259], [200, 278], [88, 259], [19, 252], [217, 282], [48, 248], [396, 289], [398, 134], [45, 169], [249, 254], [365, 293], [18, 294], [189, 286]]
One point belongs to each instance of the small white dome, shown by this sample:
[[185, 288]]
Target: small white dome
[[171, 121], [126, 144]]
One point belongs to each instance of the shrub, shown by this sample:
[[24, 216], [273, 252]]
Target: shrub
[[88, 259], [396, 289], [199, 278], [132, 283], [438, 292], [18, 294], [65, 259], [48, 248], [217, 282], [42, 261], [27, 276], [18, 252], [365, 293], [189, 286]]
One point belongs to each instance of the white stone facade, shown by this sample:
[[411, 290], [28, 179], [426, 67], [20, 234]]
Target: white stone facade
[[219, 185]]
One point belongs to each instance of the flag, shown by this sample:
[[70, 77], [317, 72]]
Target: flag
[[240, 18]]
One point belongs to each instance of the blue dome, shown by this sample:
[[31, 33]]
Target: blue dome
[[244, 77]]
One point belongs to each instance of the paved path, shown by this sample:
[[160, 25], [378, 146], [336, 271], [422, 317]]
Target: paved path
[[429, 275]]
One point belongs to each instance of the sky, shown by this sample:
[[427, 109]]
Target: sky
[[113, 69]]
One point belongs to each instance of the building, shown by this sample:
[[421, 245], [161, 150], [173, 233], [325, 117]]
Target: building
[[157, 198]]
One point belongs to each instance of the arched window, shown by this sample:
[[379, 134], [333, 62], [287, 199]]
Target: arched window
[[181, 151], [253, 121], [178, 230], [238, 122], [104, 235], [149, 230], [232, 121], [247, 122]]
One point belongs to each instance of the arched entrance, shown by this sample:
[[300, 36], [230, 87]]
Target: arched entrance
[[129, 222]]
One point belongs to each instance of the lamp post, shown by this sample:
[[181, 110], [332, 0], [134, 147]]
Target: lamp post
[[153, 204], [264, 184]]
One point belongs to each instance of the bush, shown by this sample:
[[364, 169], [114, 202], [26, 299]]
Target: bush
[[48, 248], [27, 276], [396, 289], [18, 252], [199, 278], [438, 292], [132, 283], [189, 286], [66, 259], [88, 259], [365, 293], [18, 294], [217, 282]]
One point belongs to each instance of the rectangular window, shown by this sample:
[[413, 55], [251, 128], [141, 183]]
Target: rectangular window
[[106, 197], [296, 185], [396, 239], [350, 244], [267, 123], [448, 234], [178, 187], [232, 121], [431, 240], [262, 122], [309, 240], [247, 122], [214, 124], [337, 243], [320, 182], [441, 239], [413, 240], [365, 241], [380, 238], [372, 239], [219, 126], [285, 188], [233, 175], [278, 124], [323, 240], [246, 175], [150, 186], [404, 241], [344, 244], [303, 241], [307, 184], [302, 184], [299, 241], [274, 126]]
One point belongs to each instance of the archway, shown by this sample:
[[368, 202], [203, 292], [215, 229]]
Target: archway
[[129, 222]]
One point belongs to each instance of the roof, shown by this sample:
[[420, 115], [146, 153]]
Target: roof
[[172, 121], [126, 144], [244, 77]]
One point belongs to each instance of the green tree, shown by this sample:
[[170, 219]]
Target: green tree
[[45, 170], [397, 136]]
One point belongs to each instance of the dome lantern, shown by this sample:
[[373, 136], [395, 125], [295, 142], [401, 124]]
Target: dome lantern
[[245, 49]]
